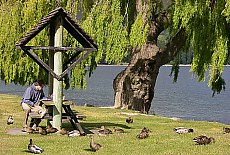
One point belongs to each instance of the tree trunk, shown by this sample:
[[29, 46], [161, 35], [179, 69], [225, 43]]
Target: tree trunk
[[134, 86]]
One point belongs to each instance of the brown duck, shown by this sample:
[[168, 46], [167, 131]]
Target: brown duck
[[117, 130], [42, 131], [63, 131], [129, 120], [143, 134], [226, 130], [104, 131], [93, 145], [203, 140], [29, 130], [51, 129]]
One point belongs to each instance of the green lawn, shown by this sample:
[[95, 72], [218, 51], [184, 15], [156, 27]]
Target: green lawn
[[162, 139]]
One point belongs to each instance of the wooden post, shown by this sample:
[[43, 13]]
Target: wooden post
[[57, 87], [51, 57], [51, 64]]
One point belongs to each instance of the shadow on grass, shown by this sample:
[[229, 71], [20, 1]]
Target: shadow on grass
[[106, 124], [27, 151], [89, 150], [87, 127], [98, 125]]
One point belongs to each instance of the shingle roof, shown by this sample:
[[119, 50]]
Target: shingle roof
[[68, 23]]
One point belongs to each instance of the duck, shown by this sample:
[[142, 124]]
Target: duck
[[143, 134], [63, 131], [118, 130], [10, 120], [29, 130], [42, 131], [104, 131], [203, 140], [74, 133], [129, 120], [182, 130], [51, 129], [34, 148], [226, 130], [93, 145]]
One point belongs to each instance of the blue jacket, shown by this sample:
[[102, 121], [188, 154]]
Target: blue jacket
[[32, 96]]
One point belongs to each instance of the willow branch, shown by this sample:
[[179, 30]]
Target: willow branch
[[173, 47]]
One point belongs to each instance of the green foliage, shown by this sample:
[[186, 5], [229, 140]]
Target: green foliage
[[15, 65], [175, 69], [104, 23], [116, 26], [117, 41], [138, 32], [226, 11], [206, 27]]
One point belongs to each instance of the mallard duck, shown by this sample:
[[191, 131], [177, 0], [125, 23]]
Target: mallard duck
[[203, 140], [226, 130], [42, 131], [34, 148], [104, 131], [181, 130], [74, 133], [51, 129], [117, 130], [129, 120], [94, 146], [142, 135], [10, 120]]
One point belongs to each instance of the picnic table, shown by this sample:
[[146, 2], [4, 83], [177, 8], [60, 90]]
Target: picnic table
[[71, 115]]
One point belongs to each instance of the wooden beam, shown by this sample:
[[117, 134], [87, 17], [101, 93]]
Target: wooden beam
[[74, 64], [56, 48], [40, 62]]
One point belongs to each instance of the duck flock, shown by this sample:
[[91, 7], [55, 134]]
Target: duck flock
[[103, 131]]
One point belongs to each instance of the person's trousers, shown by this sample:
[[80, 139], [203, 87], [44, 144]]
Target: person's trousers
[[27, 109]]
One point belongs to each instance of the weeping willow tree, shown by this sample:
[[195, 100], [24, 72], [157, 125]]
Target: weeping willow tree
[[201, 25], [122, 27]]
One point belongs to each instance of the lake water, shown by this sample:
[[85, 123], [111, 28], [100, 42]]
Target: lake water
[[186, 99]]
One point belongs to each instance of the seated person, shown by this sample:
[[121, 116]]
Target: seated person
[[30, 102]]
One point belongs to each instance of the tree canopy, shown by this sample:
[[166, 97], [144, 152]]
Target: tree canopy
[[117, 26], [207, 25]]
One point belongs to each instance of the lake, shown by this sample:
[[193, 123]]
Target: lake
[[186, 99]]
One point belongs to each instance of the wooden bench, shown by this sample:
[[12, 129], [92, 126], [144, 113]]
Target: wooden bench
[[67, 113], [49, 115]]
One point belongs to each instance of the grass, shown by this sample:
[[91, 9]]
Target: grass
[[162, 139]]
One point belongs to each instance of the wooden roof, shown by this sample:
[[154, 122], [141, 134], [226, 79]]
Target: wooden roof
[[68, 23], [72, 27]]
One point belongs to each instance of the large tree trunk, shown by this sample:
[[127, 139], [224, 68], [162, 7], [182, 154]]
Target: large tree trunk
[[134, 86]]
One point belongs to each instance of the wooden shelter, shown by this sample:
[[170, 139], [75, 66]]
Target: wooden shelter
[[57, 20], [71, 26]]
